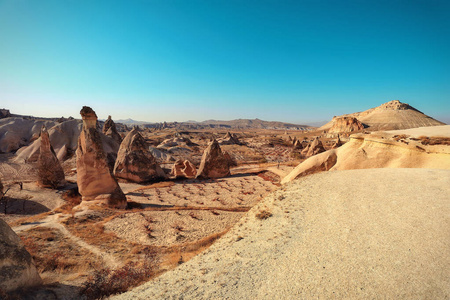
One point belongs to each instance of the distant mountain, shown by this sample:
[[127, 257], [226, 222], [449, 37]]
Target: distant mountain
[[131, 122], [253, 123]]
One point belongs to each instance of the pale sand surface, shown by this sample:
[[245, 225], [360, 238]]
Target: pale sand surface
[[356, 234], [441, 131]]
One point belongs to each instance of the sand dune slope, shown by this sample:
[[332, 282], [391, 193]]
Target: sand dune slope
[[356, 234]]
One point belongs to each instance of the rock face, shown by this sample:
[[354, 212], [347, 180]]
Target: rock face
[[95, 181], [4, 113], [346, 124], [50, 172], [135, 162], [17, 268], [214, 164], [314, 148], [183, 169], [109, 129]]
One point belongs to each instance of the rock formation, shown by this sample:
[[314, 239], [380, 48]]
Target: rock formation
[[4, 113], [346, 124], [17, 268], [314, 148], [214, 164], [298, 145], [109, 129], [379, 150], [231, 162], [229, 139], [50, 172], [337, 144], [183, 169], [392, 115], [135, 162], [94, 178]]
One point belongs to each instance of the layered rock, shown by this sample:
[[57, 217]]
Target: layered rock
[[183, 169], [17, 268], [214, 164], [313, 148], [135, 162], [94, 178], [50, 172], [109, 129], [346, 124]]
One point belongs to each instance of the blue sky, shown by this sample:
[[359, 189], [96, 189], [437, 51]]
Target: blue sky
[[294, 61]]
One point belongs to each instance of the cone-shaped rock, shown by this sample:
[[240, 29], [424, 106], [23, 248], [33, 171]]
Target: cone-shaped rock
[[109, 129], [17, 268], [95, 181], [314, 148], [298, 145], [183, 169], [229, 139], [135, 162], [50, 172], [214, 164]]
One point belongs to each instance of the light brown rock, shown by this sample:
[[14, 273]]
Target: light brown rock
[[94, 178], [313, 148], [346, 124], [183, 169], [229, 139], [214, 164], [17, 268], [298, 145], [338, 143], [135, 162], [50, 172], [109, 129]]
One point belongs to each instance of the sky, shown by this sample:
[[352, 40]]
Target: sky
[[293, 61]]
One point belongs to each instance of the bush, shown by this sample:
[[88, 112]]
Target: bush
[[263, 214]]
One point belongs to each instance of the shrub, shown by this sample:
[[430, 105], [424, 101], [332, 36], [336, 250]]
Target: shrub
[[263, 214]]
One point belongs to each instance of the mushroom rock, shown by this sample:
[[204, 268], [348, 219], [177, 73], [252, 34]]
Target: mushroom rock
[[314, 148], [109, 129], [95, 182], [135, 162], [50, 172], [214, 164], [183, 169], [17, 268]]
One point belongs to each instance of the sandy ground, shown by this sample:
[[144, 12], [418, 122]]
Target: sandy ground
[[357, 234], [441, 131]]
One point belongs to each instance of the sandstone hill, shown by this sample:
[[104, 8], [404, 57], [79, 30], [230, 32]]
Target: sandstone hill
[[370, 234], [381, 150], [389, 116]]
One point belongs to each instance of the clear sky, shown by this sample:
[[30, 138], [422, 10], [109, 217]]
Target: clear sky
[[294, 61]]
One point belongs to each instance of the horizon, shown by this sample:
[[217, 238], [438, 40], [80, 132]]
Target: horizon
[[153, 61]]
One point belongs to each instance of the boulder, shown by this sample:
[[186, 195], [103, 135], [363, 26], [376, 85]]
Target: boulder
[[50, 172], [135, 162], [109, 129], [17, 268], [313, 148], [214, 164], [96, 184], [183, 169]]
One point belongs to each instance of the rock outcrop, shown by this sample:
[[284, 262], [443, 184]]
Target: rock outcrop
[[298, 145], [377, 150], [183, 169], [109, 129], [96, 184], [229, 139], [214, 164], [4, 113], [391, 115], [135, 162], [17, 268], [345, 124], [313, 148], [50, 172], [338, 143]]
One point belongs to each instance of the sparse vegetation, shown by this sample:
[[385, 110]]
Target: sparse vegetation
[[263, 214]]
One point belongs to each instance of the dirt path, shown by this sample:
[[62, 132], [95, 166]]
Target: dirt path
[[359, 234], [52, 221]]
